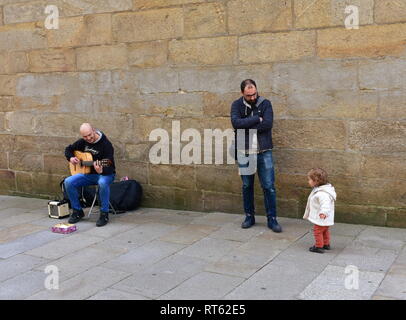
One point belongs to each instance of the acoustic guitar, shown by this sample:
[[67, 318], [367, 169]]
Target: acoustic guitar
[[86, 163]]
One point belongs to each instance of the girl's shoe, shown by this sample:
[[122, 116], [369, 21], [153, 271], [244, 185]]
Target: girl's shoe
[[327, 247], [316, 249]]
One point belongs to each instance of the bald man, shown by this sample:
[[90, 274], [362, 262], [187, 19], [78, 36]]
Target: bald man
[[95, 142]]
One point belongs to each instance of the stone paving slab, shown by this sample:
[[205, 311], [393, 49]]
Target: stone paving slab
[[17, 265], [8, 234], [21, 218], [398, 269], [27, 243], [113, 294], [293, 229], [376, 297], [143, 256], [83, 286], [23, 203], [115, 228], [216, 219], [242, 263], [79, 261], [189, 234], [141, 234], [63, 246], [10, 212], [344, 229], [156, 280], [392, 239], [158, 216], [383, 233], [107, 245], [232, 231], [278, 280], [204, 286], [171, 254], [393, 286], [140, 217], [210, 249], [262, 246], [179, 218], [309, 261], [331, 285], [365, 258], [23, 285], [402, 256]]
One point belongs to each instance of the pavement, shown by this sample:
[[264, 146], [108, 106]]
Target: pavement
[[180, 255]]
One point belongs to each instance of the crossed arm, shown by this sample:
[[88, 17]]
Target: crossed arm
[[261, 122]]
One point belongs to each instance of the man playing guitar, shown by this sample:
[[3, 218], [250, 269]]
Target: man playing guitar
[[96, 143]]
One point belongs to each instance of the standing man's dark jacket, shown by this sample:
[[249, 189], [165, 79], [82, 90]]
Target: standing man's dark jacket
[[244, 117], [102, 149]]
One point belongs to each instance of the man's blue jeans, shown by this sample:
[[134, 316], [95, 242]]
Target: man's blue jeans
[[266, 174], [73, 183]]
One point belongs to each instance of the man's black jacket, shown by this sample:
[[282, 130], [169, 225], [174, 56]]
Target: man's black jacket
[[243, 117]]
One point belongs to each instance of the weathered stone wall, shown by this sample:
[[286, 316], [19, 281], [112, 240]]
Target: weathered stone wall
[[130, 66]]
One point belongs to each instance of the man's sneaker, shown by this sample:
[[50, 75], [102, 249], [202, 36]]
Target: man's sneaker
[[76, 216], [326, 247], [248, 222], [316, 249], [103, 219], [274, 225]]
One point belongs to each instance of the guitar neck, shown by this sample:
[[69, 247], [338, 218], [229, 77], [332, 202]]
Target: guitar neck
[[87, 163]]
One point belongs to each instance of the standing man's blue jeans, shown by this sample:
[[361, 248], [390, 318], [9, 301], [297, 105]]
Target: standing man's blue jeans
[[266, 174], [73, 183]]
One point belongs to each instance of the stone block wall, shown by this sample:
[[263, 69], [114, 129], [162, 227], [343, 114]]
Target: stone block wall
[[131, 66]]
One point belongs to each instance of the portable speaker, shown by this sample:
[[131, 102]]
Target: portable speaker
[[58, 209]]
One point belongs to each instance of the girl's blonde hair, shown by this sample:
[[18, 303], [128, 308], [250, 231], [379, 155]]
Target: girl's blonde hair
[[319, 176]]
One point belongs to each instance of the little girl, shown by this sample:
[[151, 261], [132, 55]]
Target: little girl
[[320, 208]]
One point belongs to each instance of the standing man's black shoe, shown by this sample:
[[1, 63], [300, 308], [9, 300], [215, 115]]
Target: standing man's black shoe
[[274, 225], [316, 249], [103, 219], [326, 247], [248, 222], [76, 216]]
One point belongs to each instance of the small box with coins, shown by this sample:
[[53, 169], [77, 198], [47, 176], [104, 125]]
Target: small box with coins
[[64, 228]]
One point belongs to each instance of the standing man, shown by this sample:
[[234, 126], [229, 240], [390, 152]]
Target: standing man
[[100, 147], [254, 115]]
